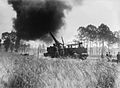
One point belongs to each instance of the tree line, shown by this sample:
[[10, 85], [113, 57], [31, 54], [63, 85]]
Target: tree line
[[89, 34], [10, 41], [101, 34]]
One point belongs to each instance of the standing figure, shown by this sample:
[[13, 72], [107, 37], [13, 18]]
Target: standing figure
[[61, 50], [7, 44], [56, 50], [108, 56], [12, 43], [118, 57], [0, 44]]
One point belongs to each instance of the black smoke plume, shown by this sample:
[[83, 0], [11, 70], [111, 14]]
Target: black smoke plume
[[36, 18]]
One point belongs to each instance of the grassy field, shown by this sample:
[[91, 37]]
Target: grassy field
[[17, 71]]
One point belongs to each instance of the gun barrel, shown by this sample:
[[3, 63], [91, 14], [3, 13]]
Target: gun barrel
[[56, 41]]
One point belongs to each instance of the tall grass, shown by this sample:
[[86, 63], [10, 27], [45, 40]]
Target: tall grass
[[30, 72]]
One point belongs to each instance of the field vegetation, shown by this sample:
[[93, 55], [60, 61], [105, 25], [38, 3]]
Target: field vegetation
[[19, 71]]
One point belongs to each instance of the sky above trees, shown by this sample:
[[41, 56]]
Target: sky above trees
[[93, 12], [88, 12]]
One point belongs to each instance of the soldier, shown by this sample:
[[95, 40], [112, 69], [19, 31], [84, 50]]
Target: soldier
[[56, 50], [7, 44], [108, 55], [11, 45], [62, 52], [80, 45], [0, 43], [118, 57]]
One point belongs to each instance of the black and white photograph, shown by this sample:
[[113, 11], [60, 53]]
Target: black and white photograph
[[59, 43]]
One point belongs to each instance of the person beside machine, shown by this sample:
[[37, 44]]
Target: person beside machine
[[80, 45], [56, 50], [118, 57], [62, 50], [108, 56]]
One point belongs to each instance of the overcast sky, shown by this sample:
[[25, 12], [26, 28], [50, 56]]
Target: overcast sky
[[93, 12], [89, 12]]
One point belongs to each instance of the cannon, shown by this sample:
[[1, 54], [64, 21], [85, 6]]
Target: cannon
[[61, 50]]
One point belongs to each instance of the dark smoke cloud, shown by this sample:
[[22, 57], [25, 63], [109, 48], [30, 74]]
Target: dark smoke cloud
[[36, 18]]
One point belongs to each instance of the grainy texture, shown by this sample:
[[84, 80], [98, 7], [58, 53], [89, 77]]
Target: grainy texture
[[30, 72]]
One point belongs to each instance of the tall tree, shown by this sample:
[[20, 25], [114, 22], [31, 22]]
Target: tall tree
[[82, 34], [102, 34], [88, 33], [5, 35], [117, 36], [105, 35], [13, 38], [92, 35], [9, 39]]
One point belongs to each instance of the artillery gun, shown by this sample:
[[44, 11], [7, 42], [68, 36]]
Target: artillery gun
[[60, 50]]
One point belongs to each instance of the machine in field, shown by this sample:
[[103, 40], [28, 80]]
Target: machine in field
[[60, 50]]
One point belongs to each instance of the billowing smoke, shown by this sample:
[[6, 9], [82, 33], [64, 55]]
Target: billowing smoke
[[36, 18]]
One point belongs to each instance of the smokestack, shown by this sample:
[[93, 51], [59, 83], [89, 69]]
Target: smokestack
[[36, 18]]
